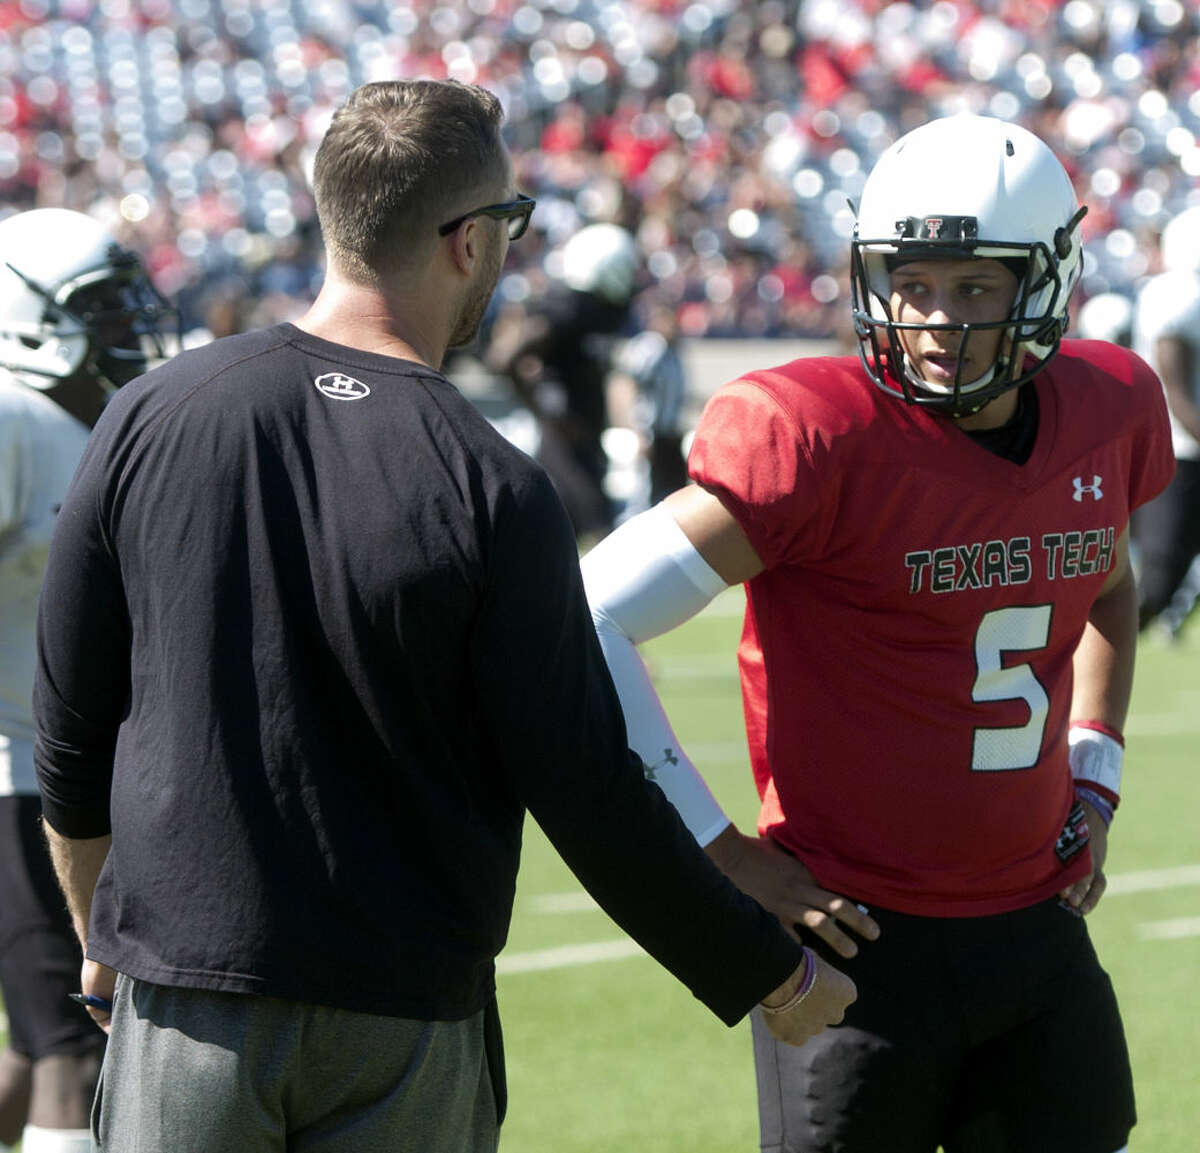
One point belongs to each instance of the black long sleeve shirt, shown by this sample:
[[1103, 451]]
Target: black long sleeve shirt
[[312, 639]]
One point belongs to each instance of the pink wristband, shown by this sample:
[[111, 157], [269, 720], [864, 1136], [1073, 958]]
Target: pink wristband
[[806, 987]]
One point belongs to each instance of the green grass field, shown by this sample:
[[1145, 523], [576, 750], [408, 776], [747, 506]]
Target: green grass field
[[613, 1056]]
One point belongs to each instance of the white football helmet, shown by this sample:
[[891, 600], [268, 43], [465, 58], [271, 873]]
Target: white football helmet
[[601, 259], [1180, 242], [73, 301], [966, 187]]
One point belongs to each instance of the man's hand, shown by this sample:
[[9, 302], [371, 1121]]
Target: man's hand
[[824, 1004], [1085, 894], [100, 981], [782, 884]]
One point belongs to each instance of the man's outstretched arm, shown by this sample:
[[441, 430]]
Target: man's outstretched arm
[[656, 571]]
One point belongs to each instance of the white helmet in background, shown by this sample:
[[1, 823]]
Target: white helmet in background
[[1180, 242], [601, 259], [1106, 316], [73, 300], [966, 187]]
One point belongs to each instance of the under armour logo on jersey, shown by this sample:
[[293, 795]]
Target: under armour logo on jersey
[[339, 386], [1093, 488], [668, 758]]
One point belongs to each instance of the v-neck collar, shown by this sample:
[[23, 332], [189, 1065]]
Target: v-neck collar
[[962, 453]]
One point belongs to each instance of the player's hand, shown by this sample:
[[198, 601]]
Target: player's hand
[[824, 1005], [782, 884], [100, 981], [1085, 894]]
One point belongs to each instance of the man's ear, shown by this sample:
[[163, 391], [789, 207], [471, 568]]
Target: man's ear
[[464, 245]]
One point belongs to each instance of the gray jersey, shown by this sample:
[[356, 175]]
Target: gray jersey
[[1169, 306], [40, 445]]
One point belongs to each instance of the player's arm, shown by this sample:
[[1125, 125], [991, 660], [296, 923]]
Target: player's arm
[[1103, 685], [656, 571], [643, 580]]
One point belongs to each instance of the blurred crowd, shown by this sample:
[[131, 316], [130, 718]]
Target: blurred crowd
[[730, 138]]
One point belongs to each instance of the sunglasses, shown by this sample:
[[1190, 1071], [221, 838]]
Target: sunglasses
[[516, 212]]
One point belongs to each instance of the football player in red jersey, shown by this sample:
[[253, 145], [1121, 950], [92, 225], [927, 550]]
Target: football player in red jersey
[[936, 660]]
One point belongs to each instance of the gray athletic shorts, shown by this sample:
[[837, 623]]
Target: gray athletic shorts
[[983, 1035], [193, 1071]]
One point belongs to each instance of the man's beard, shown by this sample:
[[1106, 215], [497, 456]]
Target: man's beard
[[476, 303]]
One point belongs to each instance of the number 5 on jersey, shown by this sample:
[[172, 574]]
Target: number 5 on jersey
[[1015, 629]]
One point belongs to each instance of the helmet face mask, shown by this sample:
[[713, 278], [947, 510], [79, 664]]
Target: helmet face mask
[[74, 303], [966, 188]]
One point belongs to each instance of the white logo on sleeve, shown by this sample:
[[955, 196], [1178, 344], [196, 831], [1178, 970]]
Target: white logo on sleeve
[[1093, 488], [339, 386]]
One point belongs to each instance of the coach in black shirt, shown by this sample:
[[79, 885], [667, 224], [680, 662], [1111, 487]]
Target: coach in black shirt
[[313, 638]]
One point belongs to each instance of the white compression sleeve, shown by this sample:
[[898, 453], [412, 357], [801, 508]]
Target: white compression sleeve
[[643, 580]]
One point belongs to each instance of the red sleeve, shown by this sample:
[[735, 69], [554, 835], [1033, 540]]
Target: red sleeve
[[749, 451]]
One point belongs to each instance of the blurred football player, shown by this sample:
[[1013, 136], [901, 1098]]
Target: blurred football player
[[1167, 334], [75, 311], [558, 354], [649, 371], [936, 660]]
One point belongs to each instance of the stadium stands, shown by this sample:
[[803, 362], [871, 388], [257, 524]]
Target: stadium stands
[[728, 135]]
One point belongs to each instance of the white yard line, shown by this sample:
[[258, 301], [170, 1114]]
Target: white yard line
[[730, 603], [723, 667], [565, 955], [576, 901], [621, 948], [1149, 880], [1145, 881], [1174, 724], [701, 667], [1175, 929]]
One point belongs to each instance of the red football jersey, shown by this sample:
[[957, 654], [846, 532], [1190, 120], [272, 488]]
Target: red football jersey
[[906, 655]]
